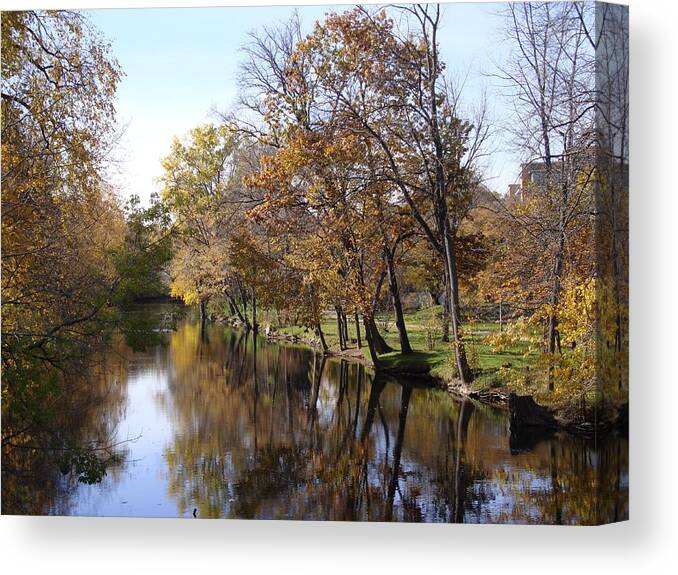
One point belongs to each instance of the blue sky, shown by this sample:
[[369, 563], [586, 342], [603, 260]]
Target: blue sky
[[181, 63]]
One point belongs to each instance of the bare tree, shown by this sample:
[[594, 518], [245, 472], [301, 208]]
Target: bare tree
[[551, 77], [273, 71]]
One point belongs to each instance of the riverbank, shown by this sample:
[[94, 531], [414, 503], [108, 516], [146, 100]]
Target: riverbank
[[433, 361], [525, 411]]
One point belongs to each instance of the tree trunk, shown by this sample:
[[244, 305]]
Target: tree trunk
[[344, 323], [552, 333], [397, 304], [317, 316], [359, 343], [243, 299], [340, 329], [321, 335], [446, 314], [525, 412], [439, 194], [238, 313], [369, 336], [555, 298], [463, 368], [203, 310], [379, 342]]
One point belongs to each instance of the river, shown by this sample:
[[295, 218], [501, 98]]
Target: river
[[216, 423]]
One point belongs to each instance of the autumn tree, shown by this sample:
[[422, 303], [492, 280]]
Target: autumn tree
[[278, 83], [314, 203], [387, 84], [61, 225], [200, 192]]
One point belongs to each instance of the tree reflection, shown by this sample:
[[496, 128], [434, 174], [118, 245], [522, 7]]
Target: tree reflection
[[85, 418], [277, 431]]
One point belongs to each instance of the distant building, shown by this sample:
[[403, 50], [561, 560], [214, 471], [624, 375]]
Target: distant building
[[532, 179]]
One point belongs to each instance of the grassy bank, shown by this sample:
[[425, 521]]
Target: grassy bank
[[431, 354]]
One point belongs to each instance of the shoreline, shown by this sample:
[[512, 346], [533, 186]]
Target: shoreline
[[525, 414]]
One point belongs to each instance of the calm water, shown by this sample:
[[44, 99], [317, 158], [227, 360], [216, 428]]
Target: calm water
[[238, 428]]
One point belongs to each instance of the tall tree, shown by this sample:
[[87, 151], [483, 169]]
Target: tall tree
[[551, 79], [201, 189], [387, 85]]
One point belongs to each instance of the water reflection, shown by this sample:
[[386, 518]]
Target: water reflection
[[237, 427], [83, 416]]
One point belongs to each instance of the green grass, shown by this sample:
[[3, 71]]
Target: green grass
[[423, 327], [416, 361]]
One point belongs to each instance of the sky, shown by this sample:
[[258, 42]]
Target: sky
[[181, 64]]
